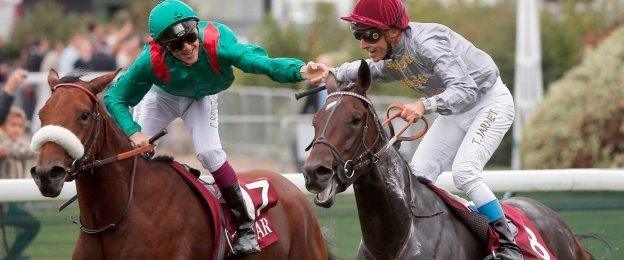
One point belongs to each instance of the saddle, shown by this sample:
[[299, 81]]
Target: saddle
[[259, 196], [527, 236]]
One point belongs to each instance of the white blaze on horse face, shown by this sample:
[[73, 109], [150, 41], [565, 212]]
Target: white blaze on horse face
[[59, 135], [330, 105]]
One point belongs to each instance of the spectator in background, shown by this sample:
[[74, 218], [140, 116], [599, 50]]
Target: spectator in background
[[100, 56], [4, 72], [13, 148], [50, 61], [7, 94], [85, 54], [102, 61], [32, 62], [35, 54], [115, 37], [2, 61], [52, 58], [128, 51], [95, 34], [14, 151], [70, 55]]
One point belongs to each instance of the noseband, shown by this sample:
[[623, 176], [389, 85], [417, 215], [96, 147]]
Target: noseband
[[78, 165], [346, 169]]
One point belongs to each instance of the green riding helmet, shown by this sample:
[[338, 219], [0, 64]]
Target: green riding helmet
[[168, 13]]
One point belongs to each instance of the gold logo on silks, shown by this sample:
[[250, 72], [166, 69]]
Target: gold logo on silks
[[416, 82], [400, 65]]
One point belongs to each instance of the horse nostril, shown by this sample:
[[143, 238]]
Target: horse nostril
[[318, 170], [40, 171], [323, 171], [34, 174], [57, 172], [316, 176], [308, 170], [47, 174]]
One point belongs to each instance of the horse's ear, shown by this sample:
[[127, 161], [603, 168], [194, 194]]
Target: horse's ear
[[98, 84], [53, 78], [364, 78], [331, 83]]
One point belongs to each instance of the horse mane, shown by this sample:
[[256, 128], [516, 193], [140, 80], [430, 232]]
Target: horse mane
[[162, 158], [72, 77], [348, 86]]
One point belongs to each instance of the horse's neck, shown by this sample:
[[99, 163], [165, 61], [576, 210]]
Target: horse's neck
[[103, 197], [384, 198], [103, 193]]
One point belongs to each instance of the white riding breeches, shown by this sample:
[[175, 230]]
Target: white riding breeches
[[466, 141], [159, 108]]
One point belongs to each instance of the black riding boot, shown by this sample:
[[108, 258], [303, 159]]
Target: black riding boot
[[508, 249], [245, 241]]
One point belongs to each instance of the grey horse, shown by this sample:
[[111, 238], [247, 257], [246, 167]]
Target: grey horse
[[400, 217]]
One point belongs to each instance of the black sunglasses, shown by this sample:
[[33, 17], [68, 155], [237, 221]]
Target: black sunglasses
[[177, 44], [369, 36]]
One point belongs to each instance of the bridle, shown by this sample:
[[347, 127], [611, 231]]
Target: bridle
[[346, 169], [80, 164]]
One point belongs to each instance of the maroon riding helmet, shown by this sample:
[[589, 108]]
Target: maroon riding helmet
[[379, 14]]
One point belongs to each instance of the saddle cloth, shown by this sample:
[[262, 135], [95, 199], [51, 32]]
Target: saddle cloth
[[527, 236], [259, 196]]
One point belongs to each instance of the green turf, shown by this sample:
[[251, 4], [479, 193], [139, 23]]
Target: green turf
[[601, 213]]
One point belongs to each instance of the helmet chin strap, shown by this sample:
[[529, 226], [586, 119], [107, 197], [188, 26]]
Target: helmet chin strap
[[389, 51]]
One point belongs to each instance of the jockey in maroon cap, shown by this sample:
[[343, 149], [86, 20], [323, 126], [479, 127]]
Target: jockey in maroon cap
[[371, 19], [459, 82]]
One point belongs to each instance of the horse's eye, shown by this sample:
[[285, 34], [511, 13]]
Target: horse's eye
[[356, 120], [84, 116]]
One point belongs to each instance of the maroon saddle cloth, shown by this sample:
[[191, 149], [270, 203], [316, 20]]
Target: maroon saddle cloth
[[259, 196], [527, 236]]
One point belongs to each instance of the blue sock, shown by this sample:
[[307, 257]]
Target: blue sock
[[492, 210]]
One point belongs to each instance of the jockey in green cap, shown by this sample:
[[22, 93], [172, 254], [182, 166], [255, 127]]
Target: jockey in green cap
[[178, 74]]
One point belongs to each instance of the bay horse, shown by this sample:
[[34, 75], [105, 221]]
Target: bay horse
[[154, 214], [400, 217]]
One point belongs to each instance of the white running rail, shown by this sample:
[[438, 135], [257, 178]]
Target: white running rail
[[499, 181]]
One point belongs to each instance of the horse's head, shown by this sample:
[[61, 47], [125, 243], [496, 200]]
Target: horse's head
[[70, 120], [346, 136]]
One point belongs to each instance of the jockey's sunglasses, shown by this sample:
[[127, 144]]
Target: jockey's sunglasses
[[176, 36], [370, 36]]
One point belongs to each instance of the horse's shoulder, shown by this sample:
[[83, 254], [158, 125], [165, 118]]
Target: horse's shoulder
[[163, 158]]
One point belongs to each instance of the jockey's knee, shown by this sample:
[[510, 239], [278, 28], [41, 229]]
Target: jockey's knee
[[428, 169], [466, 176], [212, 159]]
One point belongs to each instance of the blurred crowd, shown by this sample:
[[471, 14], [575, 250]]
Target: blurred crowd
[[102, 47]]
